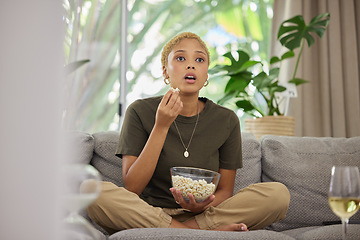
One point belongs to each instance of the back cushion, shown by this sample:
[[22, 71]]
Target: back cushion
[[79, 147], [304, 166], [251, 171], [110, 166], [104, 159]]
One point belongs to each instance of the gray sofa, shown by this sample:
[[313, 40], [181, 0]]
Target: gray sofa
[[301, 163]]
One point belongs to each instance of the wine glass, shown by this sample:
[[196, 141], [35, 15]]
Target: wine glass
[[344, 193], [81, 186]]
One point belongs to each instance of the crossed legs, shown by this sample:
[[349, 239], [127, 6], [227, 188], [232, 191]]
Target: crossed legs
[[257, 206]]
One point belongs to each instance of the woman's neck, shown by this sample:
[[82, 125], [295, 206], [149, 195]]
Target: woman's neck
[[191, 106]]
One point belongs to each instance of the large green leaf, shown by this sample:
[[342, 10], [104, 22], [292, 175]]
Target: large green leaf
[[245, 105], [292, 31], [298, 81], [241, 64], [288, 54], [261, 80], [236, 65], [238, 82]]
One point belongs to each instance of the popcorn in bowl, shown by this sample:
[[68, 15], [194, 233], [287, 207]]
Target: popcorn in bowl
[[201, 183]]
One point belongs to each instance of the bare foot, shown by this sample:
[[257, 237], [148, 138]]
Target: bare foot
[[233, 227]]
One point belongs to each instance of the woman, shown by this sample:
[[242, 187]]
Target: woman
[[181, 129]]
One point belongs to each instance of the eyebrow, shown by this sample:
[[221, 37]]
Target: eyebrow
[[197, 51]]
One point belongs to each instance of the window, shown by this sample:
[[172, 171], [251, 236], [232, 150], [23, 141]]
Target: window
[[94, 33]]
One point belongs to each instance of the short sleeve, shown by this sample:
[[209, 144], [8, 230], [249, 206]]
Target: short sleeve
[[133, 135], [231, 150]]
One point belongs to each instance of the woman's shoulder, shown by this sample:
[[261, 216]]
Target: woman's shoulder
[[144, 108], [216, 109], [146, 102], [220, 114]]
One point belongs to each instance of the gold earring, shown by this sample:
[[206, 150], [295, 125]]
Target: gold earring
[[206, 83], [166, 81]]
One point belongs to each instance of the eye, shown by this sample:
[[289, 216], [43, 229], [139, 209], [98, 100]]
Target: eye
[[180, 59], [200, 60]]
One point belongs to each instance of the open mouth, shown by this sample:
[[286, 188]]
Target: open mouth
[[190, 77]]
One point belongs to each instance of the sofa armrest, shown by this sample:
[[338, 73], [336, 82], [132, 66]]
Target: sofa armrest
[[104, 159], [79, 147]]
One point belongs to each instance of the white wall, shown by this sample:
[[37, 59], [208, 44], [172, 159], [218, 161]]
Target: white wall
[[31, 37]]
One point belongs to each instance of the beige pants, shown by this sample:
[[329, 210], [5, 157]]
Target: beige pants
[[257, 205]]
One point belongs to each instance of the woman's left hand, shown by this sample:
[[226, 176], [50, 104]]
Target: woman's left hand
[[191, 204]]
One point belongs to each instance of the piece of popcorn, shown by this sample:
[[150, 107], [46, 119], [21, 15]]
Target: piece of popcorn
[[174, 89]]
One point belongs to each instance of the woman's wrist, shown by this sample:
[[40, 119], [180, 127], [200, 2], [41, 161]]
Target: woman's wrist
[[160, 128]]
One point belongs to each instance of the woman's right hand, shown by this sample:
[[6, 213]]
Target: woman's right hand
[[168, 109]]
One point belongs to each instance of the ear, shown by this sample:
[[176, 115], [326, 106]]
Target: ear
[[165, 74]]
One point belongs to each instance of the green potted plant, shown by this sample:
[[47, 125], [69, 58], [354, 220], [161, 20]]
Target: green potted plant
[[243, 78]]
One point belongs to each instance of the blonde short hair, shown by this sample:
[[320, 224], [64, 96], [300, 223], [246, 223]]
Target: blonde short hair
[[175, 40]]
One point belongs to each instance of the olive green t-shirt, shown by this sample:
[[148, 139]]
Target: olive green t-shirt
[[216, 144]]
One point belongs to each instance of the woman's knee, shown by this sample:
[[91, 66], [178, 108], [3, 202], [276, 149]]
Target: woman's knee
[[279, 197], [104, 200], [107, 189]]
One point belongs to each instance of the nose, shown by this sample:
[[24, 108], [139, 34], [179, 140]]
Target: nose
[[190, 67]]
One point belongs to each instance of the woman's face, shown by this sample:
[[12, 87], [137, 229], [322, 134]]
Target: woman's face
[[187, 67]]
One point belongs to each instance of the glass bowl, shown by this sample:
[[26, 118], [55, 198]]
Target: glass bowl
[[201, 183]]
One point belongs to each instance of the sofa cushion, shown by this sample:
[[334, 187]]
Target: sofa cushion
[[110, 166], [185, 234], [332, 232], [251, 171], [104, 159], [304, 165], [79, 147]]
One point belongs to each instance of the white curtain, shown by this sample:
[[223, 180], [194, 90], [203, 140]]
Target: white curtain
[[328, 106]]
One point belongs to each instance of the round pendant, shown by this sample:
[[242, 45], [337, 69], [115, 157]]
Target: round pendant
[[186, 154]]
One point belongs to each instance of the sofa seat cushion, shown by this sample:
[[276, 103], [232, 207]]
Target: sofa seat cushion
[[185, 234], [77, 230], [104, 159], [251, 171], [304, 165], [331, 232]]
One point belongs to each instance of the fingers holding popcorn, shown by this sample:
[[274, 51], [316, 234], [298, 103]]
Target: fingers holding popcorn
[[169, 108], [194, 195]]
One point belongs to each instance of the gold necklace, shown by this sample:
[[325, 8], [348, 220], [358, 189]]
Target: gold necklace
[[186, 153]]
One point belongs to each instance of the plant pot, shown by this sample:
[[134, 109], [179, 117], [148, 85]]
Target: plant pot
[[270, 125]]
